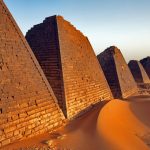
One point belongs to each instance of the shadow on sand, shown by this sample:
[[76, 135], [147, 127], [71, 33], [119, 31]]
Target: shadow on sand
[[140, 106]]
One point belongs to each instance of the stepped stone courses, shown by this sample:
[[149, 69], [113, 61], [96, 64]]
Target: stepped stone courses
[[146, 64], [138, 72], [70, 65], [27, 104], [117, 73]]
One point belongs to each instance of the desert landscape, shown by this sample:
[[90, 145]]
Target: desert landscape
[[111, 125], [57, 94]]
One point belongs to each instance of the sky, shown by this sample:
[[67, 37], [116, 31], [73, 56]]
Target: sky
[[123, 23]]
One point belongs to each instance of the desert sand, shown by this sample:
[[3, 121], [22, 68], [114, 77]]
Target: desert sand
[[125, 124], [111, 125]]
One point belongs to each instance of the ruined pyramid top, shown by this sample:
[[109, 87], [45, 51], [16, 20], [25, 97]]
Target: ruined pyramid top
[[133, 62], [145, 60], [56, 18], [112, 50]]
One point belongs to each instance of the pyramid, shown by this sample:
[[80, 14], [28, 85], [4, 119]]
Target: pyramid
[[138, 72], [117, 73], [146, 64], [28, 106], [70, 65]]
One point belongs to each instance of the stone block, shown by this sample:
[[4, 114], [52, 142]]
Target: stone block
[[5, 142], [9, 129]]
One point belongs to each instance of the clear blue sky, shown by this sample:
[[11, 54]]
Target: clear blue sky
[[124, 23]]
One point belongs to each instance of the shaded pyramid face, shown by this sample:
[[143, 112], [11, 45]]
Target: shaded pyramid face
[[138, 72], [117, 73], [70, 65], [27, 104], [146, 64]]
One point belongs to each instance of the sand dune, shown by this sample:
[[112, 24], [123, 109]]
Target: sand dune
[[125, 124], [113, 125], [80, 134], [120, 125]]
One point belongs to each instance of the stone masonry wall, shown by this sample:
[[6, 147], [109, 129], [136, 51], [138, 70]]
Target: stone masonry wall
[[138, 72], [27, 104], [146, 64], [82, 79], [105, 59], [127, 83], [43, 39]]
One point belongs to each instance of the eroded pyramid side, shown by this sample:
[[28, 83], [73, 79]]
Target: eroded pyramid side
[[28, 105], [125, 81], [43, 39], [108, 65], [82, 80], [138, 72], [146, 64]]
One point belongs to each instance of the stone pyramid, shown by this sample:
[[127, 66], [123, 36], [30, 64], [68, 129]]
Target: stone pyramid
[[117, 73], [138, 72], [70, 65], [27, 104], [146, 64]]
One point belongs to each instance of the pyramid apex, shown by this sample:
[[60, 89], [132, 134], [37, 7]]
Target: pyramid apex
[[133, 61], [113, 49], [110, 50], [53, 17], [146, 59]]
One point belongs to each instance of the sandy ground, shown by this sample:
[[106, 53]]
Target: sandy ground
[[113, 125], [125, 125]]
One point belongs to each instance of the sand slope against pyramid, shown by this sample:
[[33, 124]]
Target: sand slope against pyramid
[[27, 104], [117, 73], [146, 64], [69, 62], [138, 72]]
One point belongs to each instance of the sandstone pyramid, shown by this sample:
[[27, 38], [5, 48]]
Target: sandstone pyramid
[[146, 64], [70, 65], [138, 72], [27, 104], [117, 73]]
